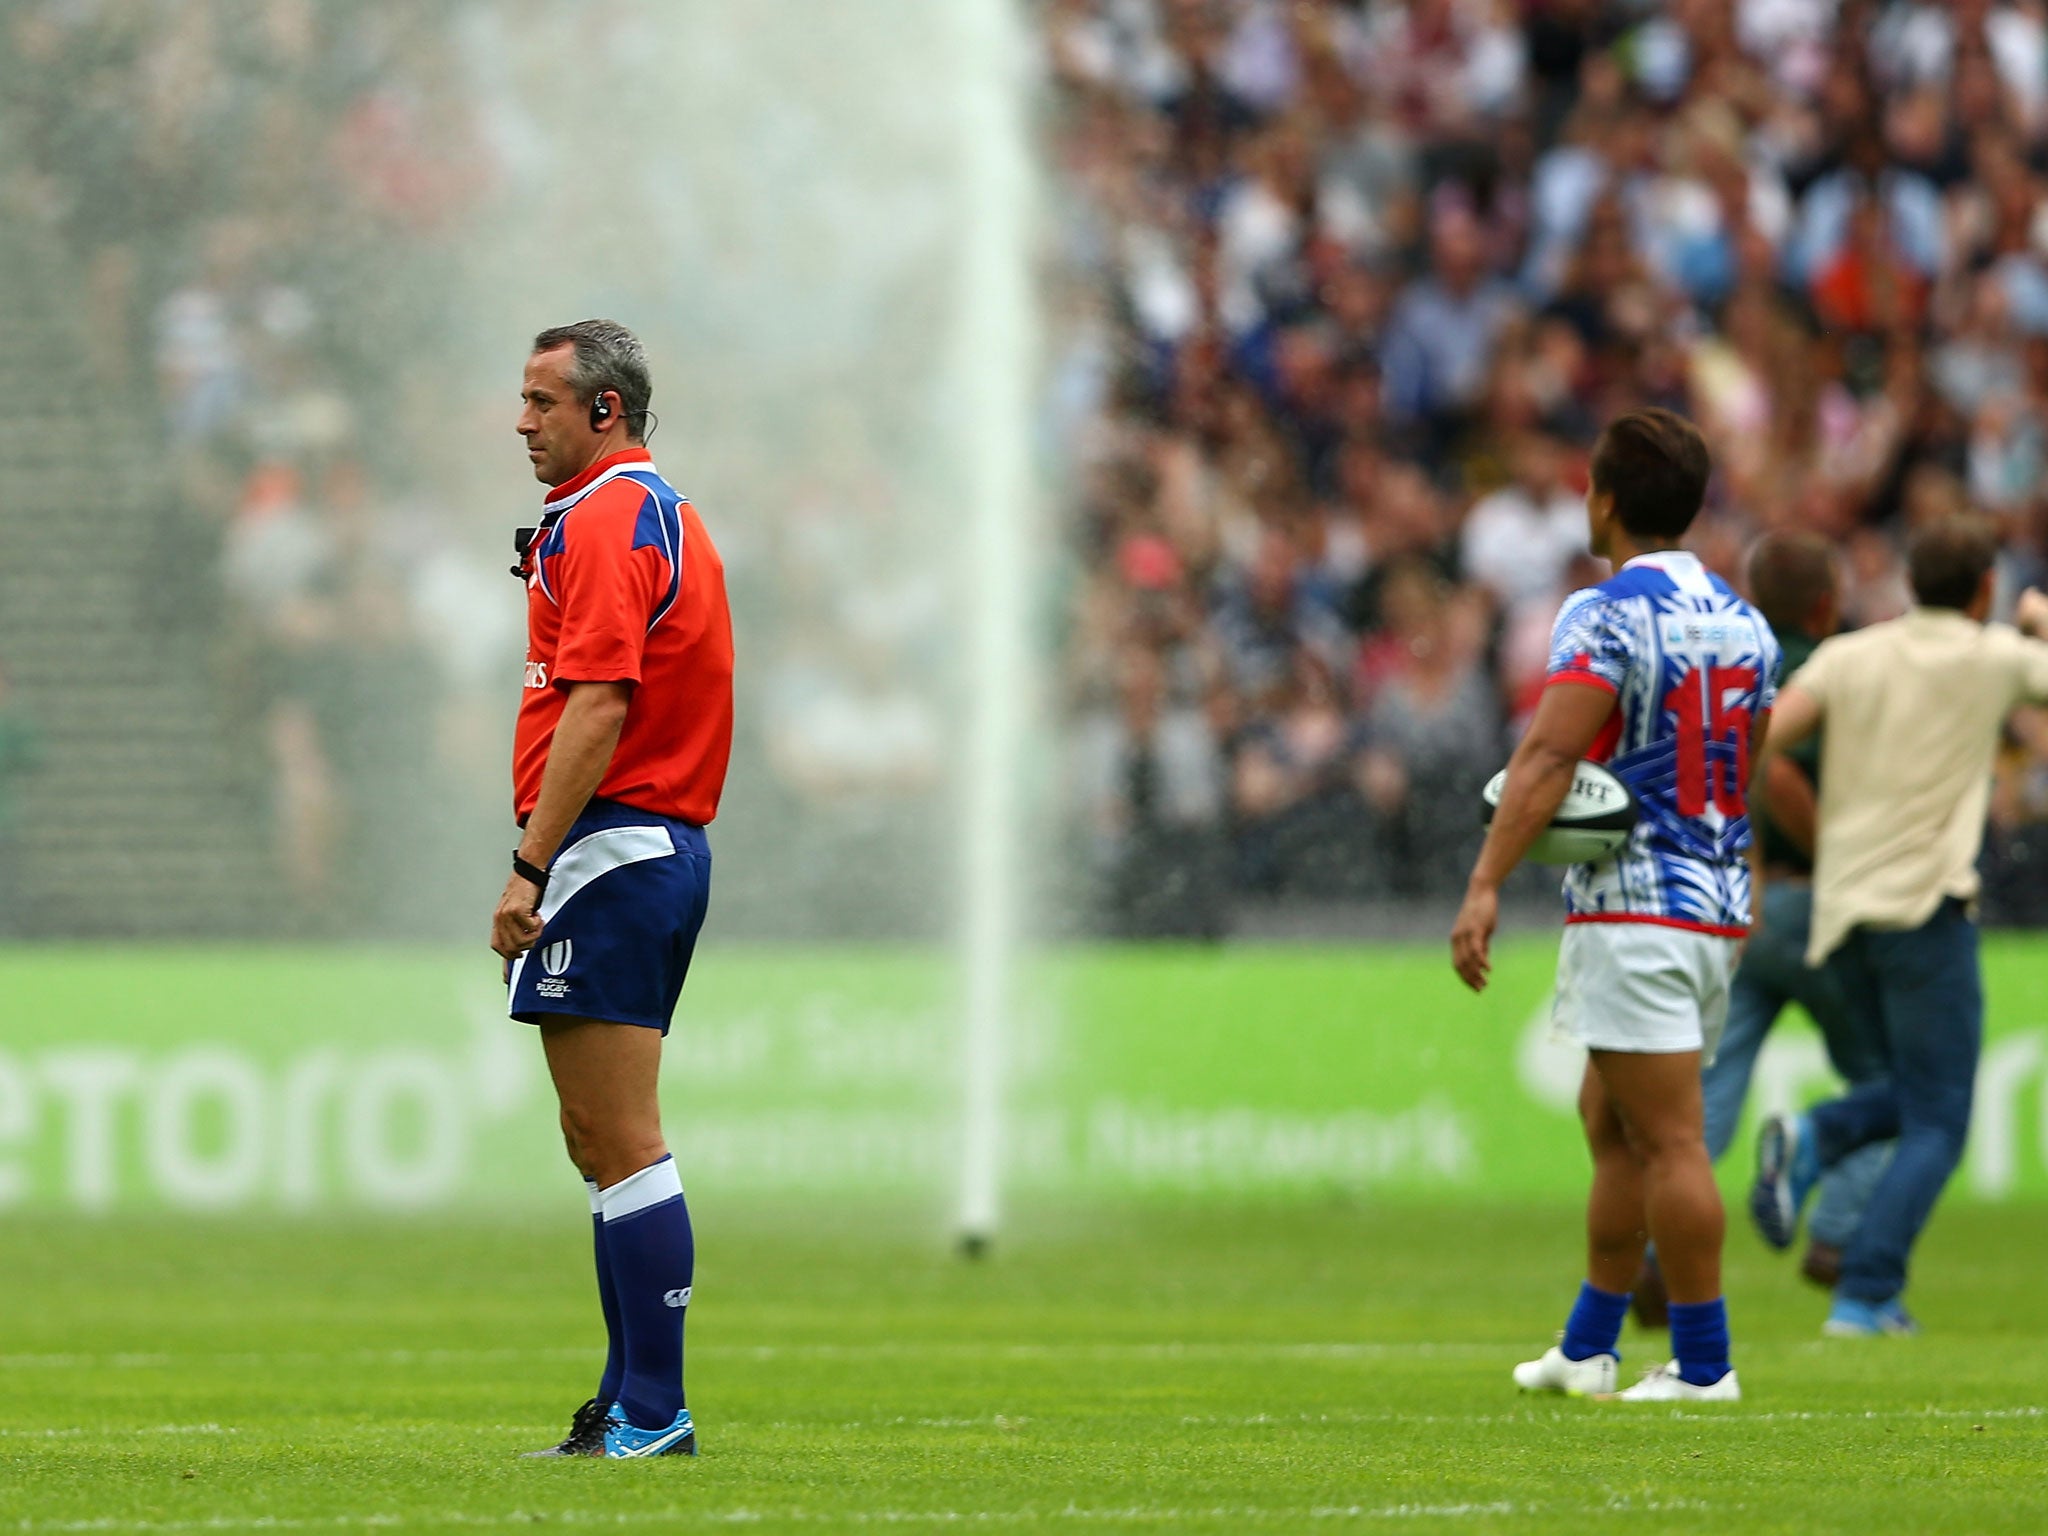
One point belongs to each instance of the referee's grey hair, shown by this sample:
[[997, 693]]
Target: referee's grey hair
[[608, 357]]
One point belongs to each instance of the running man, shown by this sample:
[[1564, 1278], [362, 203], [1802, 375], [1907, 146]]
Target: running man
[[1913, 710], [618, 761], [1664, 674]]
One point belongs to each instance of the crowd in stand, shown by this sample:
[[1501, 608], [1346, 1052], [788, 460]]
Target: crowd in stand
[[254, 202], [1345, 289]]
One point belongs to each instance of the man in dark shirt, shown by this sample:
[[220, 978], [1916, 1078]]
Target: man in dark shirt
[[1792, 580]]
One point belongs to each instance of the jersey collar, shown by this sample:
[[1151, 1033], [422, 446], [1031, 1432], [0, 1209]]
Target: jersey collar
[[1665, 559], [569, 492]]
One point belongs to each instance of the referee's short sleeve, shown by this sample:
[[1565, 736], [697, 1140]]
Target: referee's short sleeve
[[607, 591]]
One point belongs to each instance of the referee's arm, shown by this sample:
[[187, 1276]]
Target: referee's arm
[[581, 751]]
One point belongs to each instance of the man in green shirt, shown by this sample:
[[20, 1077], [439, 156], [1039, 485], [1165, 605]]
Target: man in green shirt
[[1792, 580]]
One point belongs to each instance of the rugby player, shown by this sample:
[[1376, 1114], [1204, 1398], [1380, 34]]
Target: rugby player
[[1792, 581], [1665, 675], [619, 757]]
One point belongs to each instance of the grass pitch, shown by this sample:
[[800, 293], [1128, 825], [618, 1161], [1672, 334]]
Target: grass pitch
[[1197, 1369]]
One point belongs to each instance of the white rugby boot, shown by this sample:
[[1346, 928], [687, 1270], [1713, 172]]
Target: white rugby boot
[[1590, 1377], [1665, 1385]]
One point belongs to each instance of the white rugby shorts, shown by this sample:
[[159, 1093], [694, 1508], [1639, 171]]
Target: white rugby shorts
[[1643, 987]]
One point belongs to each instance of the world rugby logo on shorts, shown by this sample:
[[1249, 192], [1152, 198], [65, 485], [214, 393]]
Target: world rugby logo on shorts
[[554, 959]]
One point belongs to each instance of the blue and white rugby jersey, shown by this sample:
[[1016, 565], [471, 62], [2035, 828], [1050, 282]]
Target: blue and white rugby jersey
[[1691, 666]]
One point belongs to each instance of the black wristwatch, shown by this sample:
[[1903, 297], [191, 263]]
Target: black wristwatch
[[531, 873]]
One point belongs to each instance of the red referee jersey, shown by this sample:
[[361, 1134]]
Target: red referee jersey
[[626, 587]]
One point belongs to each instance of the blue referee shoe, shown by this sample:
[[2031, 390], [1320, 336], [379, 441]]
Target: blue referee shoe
[[1787, 1168], [622, 1437]]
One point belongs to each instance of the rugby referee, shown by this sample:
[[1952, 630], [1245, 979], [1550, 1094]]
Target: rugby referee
[[619, 756]]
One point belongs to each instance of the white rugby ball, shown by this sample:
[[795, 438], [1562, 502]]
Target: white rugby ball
[[1595, 819]]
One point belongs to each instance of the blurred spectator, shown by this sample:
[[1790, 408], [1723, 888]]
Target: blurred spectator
[[1291, 792], [20, 755], [1449, 64], [1268, 616], [321, 604], [2016, 849], [1441, 334], [855, 738], [1872, 205], [1432, 733], [1518, 540], [848, 727], [1148, 780]]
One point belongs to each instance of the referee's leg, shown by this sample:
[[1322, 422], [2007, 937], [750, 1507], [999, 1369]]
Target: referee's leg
[[607, 1077]]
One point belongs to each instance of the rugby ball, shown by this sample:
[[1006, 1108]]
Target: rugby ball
[[1596, 818]]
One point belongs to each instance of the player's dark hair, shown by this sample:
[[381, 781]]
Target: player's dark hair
[[1654, 463], [608, 357], [1790, 575], [1948, 560]]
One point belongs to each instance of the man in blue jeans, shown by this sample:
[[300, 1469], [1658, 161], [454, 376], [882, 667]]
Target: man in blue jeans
[[1792, 579], [1774, 973], [1913, 710]]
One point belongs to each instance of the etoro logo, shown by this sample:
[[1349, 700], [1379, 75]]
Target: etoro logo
[[211, 1126]]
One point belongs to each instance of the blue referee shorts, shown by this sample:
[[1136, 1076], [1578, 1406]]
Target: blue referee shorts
[[625, 901]]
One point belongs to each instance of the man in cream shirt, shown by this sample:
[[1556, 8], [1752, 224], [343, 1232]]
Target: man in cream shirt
[[1913, 710]]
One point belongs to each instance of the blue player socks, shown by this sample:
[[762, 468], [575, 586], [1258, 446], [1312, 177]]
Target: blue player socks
[[608, 1298], [1699, 1340], [1594, 1327], [653, 1255]]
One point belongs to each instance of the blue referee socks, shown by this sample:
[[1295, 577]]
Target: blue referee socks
[[608, 1298], [652, 1253], [1594, 1328], [1699, 1340]]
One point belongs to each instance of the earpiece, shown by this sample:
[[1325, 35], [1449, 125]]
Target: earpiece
[[600, 411]]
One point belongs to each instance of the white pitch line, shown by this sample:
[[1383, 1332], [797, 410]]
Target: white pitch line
[[929, 1349], [1125, 1515], [131, 1360], [968, 1350], [147, 1429], [410, 1428], [1790, 1415], [1562, 1412]]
